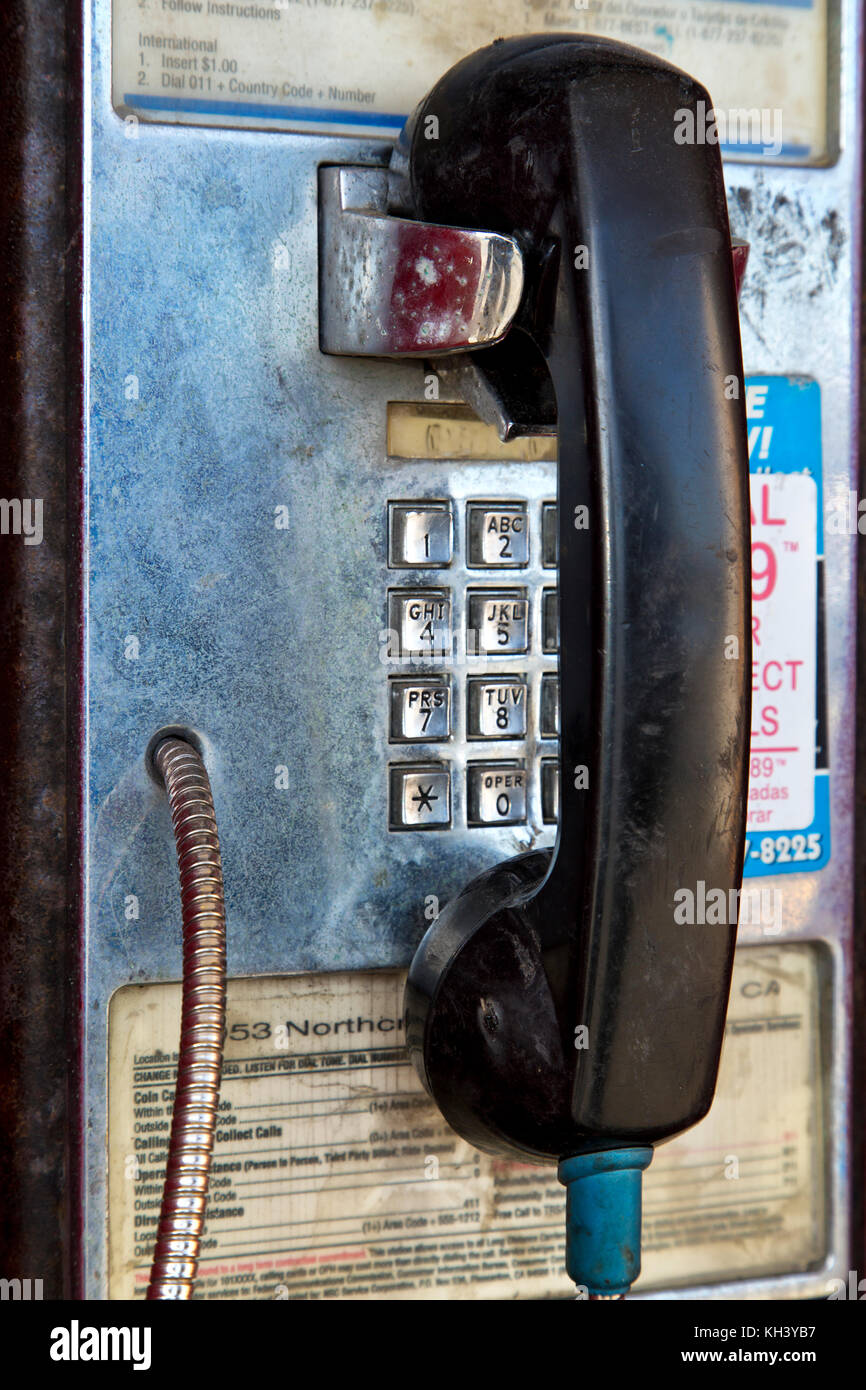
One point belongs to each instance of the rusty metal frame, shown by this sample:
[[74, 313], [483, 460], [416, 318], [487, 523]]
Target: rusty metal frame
[[40, 653]]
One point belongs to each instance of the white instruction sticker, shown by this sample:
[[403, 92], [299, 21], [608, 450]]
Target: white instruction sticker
[[334, 1176], [361, 66]]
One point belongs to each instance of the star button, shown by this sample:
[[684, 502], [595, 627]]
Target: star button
[[425, 796]]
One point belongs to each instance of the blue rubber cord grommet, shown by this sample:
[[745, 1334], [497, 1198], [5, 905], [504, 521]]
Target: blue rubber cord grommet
[[603, 1213]]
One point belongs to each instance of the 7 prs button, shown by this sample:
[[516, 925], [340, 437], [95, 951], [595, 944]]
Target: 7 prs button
[[420, 710]]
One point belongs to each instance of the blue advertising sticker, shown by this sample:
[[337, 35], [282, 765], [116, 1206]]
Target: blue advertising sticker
[[789, 798]]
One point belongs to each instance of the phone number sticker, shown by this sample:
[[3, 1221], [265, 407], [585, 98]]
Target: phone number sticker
[[789, 797]]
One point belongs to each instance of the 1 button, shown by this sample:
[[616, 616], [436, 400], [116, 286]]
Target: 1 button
[[421, 618], [549, 719], [419, 535], [420, 711], [549, 536], [496, 793], [497, 708], [550, 620], [498, 621], [498, 535], [420, 797], [549, 791]]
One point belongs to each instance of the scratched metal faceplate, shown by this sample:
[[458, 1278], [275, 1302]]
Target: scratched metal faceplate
[[209, 407]]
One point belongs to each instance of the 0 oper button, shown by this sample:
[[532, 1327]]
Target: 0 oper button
[[498, 535], [420, 710], [420, 796], [419, 535], [496, 793]]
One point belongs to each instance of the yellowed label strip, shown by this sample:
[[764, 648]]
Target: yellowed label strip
[[417, 431]]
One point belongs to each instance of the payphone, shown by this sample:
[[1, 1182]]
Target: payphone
[[337, 569]]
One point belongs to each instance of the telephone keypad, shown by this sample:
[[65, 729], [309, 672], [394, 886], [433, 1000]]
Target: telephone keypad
[[481, 666], [496, 793], [498, 535], [420, 797], [422, 620], [420, 710], [498, 621], [420, 535], [497, 708]]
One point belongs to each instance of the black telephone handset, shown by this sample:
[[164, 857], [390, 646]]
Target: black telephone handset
[[560, 1007]]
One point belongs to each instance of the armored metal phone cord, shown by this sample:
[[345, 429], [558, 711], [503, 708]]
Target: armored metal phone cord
[[203, 1016]]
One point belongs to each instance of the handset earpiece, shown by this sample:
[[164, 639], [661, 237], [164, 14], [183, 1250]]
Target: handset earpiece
[[565, 1007]]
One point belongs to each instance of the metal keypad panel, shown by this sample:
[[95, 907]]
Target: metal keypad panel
[[483, 690]]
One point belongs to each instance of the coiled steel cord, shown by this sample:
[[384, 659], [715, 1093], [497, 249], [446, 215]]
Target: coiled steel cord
[[202, 1028]]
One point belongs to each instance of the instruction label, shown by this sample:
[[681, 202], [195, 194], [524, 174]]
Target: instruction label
[[789, 806], [359, 67], [334, 1175]]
